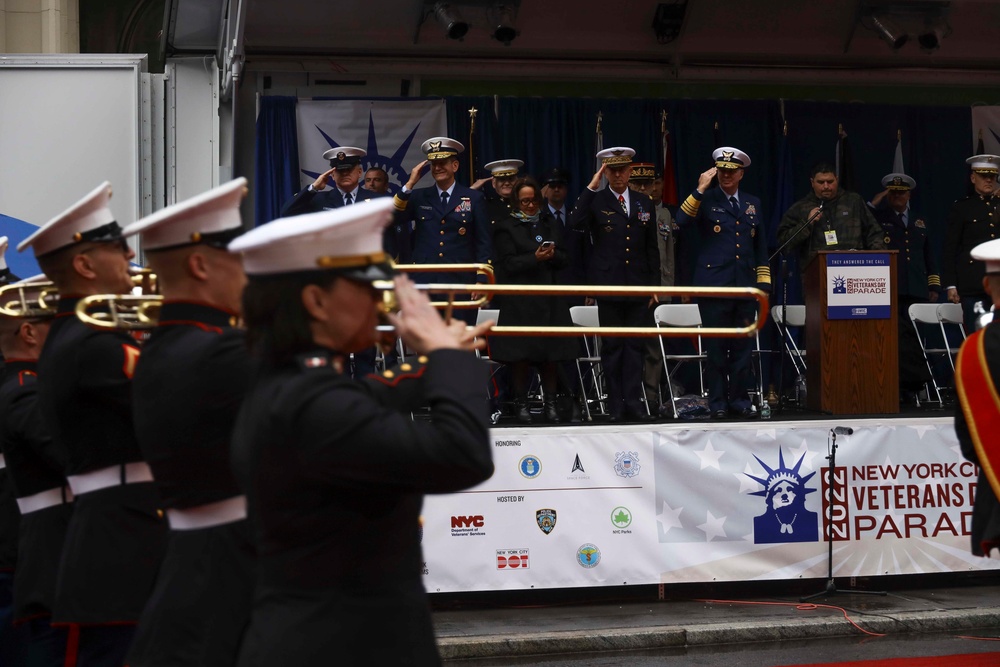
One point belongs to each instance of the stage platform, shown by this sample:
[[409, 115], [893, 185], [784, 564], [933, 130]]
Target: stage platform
[[677, 501]]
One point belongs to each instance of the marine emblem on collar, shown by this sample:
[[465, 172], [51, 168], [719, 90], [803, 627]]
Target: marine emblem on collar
[[435, 146], [546, 520], [341, 155]]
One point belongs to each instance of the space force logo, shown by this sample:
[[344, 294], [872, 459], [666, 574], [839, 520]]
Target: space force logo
[[546, 520], [627, 464], [785, 517]]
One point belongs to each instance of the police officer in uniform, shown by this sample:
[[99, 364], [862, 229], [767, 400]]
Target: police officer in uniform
[[917, 278], [733, 254], [977, 418], [971, 221], [450, 221], [43, 499], [622, 225], [335, 470], [188, 386], [117, 534]]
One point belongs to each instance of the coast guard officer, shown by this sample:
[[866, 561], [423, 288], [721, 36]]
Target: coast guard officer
[[733, 254], [622, 224]]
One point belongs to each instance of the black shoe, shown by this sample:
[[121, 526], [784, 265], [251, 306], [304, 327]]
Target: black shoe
[[745, 413], [614, 418], [551, 414], [720, 414], [576, 411], [522, 413], [638, 416]]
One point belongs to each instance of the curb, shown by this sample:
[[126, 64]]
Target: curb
[[630, 639]]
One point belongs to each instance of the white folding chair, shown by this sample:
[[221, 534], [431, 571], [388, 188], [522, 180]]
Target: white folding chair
[[939, 314], [679, 315], [586, 316], [796, 318], [951, 313]]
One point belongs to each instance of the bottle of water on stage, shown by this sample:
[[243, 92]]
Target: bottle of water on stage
[[765, 410]]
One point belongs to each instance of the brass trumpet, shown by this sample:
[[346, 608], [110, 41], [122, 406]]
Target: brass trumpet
[[35, 298], [125, 312]]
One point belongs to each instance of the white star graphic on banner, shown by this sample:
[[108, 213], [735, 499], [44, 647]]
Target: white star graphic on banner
[[709, 457], [669, 517], [921, 429], [747, 484], [958, 450], [713, 527], [803, 452]]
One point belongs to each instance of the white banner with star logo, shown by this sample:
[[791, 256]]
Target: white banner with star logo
[[601, 506], [390, 130]]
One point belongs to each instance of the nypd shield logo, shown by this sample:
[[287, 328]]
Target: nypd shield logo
[[546, 520]]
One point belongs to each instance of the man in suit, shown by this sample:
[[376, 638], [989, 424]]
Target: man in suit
[[972, 220], [449, 221], [733, 254], [917, 280], [622, 225], [575, 242], [117, 536]]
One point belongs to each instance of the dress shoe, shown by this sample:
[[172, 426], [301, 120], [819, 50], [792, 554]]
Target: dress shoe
[[745, 413], [522, 413], [551, 414], [638, 416], [614, 419], [720, 414]]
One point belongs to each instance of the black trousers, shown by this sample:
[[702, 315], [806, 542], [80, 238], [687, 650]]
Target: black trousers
[[622, 357], [728, 371]]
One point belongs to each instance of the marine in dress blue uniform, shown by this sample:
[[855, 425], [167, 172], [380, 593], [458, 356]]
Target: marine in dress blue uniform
[[37, 487], [917, 277], [499, 197], [733, 254], [335, 469], [972, 220], [117, 535], [188, 386], [450, 221], [622, 225]]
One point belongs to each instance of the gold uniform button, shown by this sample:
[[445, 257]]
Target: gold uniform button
[[442, 243], [737, 245], [628, 226], [159, 513], [737, 256], [737, 222], [628, 250], [405, 367], [627, 238], [442, 232], [440, 254], [737, 233], [388, 374], [422, 359], [442, 222], [626, 261]]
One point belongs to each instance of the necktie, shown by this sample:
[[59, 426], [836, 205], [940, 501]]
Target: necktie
[[559, 217], [735, 204], [902, 220], [348, 200], [444, 199], [621, 200]]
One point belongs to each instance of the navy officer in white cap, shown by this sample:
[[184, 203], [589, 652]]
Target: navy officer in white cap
[[503, 174], [117, 536], [977, 419], [917, 279], [450, 221], [622, 224], [188, 386], [972, 220], [733, 253], [334, 469]]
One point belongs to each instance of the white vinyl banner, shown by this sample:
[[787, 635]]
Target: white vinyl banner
[[390, 130], [602, 506], [986, 124]]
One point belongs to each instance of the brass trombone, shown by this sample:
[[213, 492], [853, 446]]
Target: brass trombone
[[124, 312]]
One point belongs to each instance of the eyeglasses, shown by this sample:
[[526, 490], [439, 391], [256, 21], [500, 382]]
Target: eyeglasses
[[528, 202]]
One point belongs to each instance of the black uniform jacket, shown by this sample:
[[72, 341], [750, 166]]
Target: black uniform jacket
[[624, 248], [116, 537], [971, 221], [334, 470], [916, 266], [33, 466], [188, 387]]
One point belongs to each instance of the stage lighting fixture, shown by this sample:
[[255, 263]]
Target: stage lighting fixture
[[668, 19], [501, 17], [889, 32], [450, 19]]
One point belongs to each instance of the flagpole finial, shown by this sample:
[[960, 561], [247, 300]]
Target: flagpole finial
[[600, 117], [840, 129], [473, 111], [716, 125], [899, 135], [784, 129], [472, 118]]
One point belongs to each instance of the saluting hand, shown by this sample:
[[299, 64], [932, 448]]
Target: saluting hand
[[415, 174], [323, 179], [421, 328], [705, 179], [595, 182], [479, 184]]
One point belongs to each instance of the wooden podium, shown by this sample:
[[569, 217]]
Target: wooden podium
[[853, 363]]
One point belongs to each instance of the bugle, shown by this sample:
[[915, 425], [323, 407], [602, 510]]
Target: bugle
[[29, 298], [138, 311]]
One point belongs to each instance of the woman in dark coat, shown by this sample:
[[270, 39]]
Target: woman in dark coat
[[526, 248]]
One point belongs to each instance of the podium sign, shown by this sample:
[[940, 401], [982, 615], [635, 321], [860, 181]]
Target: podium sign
[[852, 356], [858, 286]]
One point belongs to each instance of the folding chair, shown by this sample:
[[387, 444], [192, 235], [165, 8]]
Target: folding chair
[[796, 318], [679, 315], [939, 314], [586, 316]]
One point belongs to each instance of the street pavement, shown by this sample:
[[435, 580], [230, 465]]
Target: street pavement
[[477, 631]]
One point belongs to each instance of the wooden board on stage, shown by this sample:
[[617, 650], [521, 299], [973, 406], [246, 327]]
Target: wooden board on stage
[[852, 363]]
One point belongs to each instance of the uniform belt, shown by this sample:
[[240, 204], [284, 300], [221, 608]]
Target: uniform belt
[[96, 480], [44, 500], [218, 513]]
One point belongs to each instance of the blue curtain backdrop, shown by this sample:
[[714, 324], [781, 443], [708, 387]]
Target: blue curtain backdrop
[[561, 132], [276, 157]]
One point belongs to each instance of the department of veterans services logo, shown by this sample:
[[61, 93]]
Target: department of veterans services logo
[[627, 464], [546, 520], [530, 466], [588, 555], [785, 517]]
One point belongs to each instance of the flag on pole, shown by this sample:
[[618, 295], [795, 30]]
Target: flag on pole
[[599, 146], [472, 144], [669, 197], [897, 160]]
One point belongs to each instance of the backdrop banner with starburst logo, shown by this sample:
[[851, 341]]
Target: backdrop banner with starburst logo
[[390, 130], [705, 503]]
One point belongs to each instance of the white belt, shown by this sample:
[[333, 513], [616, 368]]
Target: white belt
[[3, 463], [205, 516], [44, 500], [110, 476]]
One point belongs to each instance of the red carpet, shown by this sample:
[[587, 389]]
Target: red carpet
[[964, 660]]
